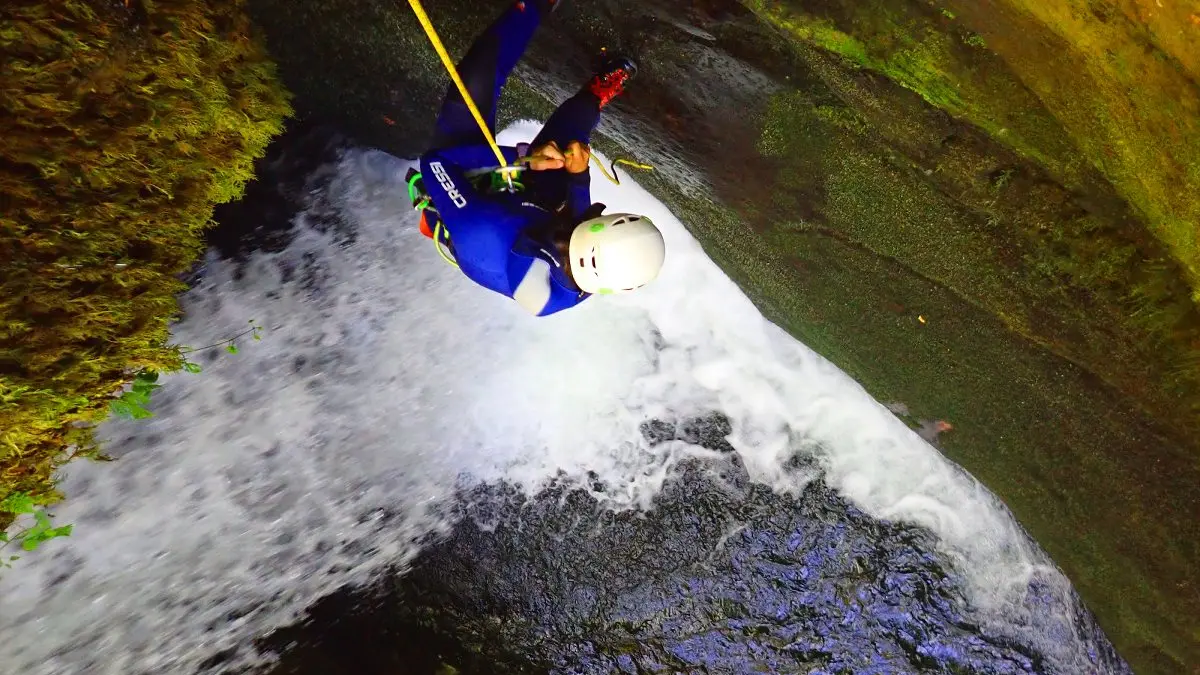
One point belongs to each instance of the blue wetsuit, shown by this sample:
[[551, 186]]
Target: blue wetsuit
[[504, 241]]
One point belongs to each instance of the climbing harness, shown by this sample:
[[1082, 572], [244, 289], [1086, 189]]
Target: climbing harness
[[421, 202], [502, 176]]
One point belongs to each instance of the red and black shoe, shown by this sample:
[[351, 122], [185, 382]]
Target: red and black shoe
[[546, 6], [610, 81]]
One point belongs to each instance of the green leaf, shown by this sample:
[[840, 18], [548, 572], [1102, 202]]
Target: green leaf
[[257, 336], [147, 376], [191, 367], [3, 537], [143, 392], [121, 408], [232, 349], [131, 405], [17, 502], [140, 413]]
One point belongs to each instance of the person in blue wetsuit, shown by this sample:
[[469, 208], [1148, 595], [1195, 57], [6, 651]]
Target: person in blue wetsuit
[[545, 244]]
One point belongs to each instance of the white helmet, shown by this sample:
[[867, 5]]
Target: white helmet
[[616, 253]]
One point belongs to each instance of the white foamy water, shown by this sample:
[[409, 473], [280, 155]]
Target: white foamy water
[[385, 379]]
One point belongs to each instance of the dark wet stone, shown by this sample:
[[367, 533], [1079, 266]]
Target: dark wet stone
[[720, 577]]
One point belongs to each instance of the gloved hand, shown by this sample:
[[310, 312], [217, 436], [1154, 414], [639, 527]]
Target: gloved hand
[[549, 157]]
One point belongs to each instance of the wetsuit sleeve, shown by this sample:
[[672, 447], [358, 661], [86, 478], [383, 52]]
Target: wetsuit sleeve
[[579, 193]]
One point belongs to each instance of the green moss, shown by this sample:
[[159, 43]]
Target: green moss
[[1125, 84], [1072, 281], [1082, 276], [916, 50], [120, 128], [824, 35], [1084, 95]]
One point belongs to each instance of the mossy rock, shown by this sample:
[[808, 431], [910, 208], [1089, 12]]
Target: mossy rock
[[1098, 91], [121, 126]]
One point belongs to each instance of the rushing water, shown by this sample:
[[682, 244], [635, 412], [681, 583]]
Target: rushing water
[[386, 384]]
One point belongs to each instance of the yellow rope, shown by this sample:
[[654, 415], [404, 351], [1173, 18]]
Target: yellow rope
[[431, 33], [612, 178], [462, 88], [437, 243]]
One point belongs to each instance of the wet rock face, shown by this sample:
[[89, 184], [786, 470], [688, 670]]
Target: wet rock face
[[722, 576], [909, 193]]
